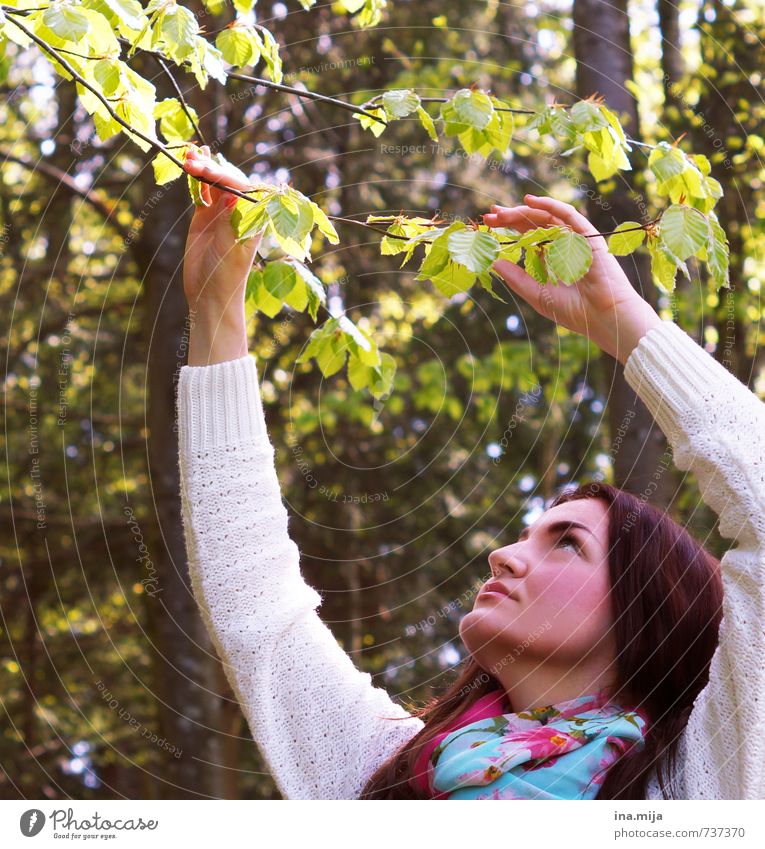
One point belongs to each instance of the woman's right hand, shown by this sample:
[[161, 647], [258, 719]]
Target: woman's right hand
[[216, 266]]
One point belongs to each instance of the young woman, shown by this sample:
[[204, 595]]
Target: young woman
[[609, 655]]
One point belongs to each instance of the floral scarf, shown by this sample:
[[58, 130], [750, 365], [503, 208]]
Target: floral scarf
[[560, 751]]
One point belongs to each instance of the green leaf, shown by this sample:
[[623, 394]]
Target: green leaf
[[473, 108], [237, 46], [718, 253], [286, 218], [326, 228], [623, 243], [467, 109], [534, 264], [437, 254], [361, 344], [270, 54], [427, 122], [369, 11], [249, 218], [331, 355], [400, 102], [195, 190], [587, 116], [179, 29], [67, 22], [279, 278], [569, 257], [129, 12], [453, 278], [108, 76], [377, 127], [165, 170], [378, 379], [666, 162], [684, 230], [313, 287], [259, 297], [174, 123], [663, 266], [475, 249]]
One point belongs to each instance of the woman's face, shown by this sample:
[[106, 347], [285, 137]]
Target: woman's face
[[559, 607]]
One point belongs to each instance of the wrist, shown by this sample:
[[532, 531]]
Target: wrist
[[632, 325], [218, 333]]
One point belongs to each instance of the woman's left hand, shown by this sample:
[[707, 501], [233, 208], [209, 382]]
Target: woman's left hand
[[601, 305]]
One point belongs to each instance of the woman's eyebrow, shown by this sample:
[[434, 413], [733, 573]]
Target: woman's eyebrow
[[555, 527]]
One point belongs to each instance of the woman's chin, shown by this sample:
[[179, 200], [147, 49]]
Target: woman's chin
[[480, 627]]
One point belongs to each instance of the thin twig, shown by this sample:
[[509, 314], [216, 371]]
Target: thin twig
[[178, 91], [162, 149], [308, 95]]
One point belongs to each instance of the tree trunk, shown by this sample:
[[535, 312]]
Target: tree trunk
[[603, 65], [672, 64]]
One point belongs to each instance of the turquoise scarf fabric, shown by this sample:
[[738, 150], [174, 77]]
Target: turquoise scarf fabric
[[560, 751]]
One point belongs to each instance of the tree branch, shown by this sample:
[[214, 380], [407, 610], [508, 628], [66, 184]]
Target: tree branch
[[56, 174]]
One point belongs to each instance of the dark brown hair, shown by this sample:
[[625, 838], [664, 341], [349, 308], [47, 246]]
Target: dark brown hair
[[666, 593]]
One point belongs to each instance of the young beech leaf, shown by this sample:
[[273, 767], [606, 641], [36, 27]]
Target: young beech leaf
[[466, 110], [623, 243], [534, 263], [332, 354], [326, 228], [314, 289], [663, 265], [279, 278], [718, 253], [475, 249], [239, 45], [67, 22], [377, 127], [378, 379], [569, 257], [165, 170], [684, 230], [400, 102], [258, 297], [427, 122]]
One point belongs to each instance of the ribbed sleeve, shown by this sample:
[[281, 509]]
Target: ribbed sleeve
[[716, 428], [219, 405]]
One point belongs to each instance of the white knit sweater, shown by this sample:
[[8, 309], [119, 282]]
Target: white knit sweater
[[315, 717]]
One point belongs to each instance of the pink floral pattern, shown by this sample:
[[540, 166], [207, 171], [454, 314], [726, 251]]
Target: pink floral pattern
[[561, 751]]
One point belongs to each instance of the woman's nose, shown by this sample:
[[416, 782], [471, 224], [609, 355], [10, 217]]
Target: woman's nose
[[504, 558]]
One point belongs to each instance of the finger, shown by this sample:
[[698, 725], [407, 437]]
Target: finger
[[523, 284], [212, 170], [520, 218], [568, 214], [205, 192], [214, 192]]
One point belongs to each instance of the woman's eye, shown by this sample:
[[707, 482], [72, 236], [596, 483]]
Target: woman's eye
[[569, 540]]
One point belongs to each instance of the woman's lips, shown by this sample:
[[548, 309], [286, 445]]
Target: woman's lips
[[496, 589]]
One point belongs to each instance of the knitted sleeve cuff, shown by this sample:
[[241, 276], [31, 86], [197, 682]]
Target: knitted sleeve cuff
[[671, 373], [220, 404]]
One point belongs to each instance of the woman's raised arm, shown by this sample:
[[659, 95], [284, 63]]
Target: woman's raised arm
[[316, 718], [716, 428]]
